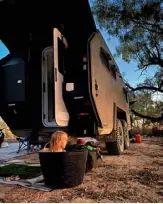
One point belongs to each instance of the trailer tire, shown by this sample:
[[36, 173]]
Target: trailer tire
[[116, 147], [126, 134]]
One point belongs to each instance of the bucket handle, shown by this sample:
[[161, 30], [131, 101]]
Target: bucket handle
[[46, 144]]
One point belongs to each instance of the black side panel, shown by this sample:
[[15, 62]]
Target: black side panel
[[14, 82]]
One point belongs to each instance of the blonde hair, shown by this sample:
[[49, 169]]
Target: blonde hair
[[56, 138]]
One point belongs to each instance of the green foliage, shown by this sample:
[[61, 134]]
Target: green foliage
[[23, 171], [137, 25], [151, 82], [146, 103]]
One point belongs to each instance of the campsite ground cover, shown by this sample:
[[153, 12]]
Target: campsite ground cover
[[135, 176]]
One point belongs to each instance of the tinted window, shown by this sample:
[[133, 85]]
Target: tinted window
[[105, 57], [61, 52]]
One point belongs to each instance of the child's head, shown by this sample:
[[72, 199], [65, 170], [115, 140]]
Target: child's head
[[58, 140], [81, 141]]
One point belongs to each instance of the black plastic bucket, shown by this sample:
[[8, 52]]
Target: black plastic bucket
[[91, 161], [63, 169]]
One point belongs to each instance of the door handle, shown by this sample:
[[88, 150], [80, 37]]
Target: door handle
[[96, 87]]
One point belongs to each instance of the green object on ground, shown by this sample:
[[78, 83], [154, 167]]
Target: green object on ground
[[23, 171], [85, 147], [89, 148]]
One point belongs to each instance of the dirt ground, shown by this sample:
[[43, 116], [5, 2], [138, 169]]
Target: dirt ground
[[135, 176]]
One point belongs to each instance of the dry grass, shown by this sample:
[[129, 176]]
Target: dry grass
[[131, 177]]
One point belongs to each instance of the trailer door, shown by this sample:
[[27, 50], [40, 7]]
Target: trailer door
[[54, 112], [101, 83]]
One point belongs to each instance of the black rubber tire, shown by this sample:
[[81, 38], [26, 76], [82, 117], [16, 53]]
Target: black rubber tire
[[116, 147], [126, 134]]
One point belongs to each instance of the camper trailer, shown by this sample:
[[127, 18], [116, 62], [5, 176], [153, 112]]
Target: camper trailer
[[59, 74]]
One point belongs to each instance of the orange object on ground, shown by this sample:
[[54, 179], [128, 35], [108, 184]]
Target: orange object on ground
[[138, 138], [81, 141]]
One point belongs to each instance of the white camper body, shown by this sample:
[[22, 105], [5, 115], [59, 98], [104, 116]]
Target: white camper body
[[106, 92]]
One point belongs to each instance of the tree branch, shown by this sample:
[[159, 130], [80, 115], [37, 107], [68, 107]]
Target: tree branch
[[143, 23], [144, 87], [153, 119]]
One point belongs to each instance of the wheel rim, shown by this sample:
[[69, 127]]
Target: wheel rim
[[126, 137], [120, 139]]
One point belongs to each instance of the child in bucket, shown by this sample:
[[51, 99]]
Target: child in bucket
[[58, 141]]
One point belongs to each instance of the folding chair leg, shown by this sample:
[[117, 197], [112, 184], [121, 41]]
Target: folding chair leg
[[20, 145]]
